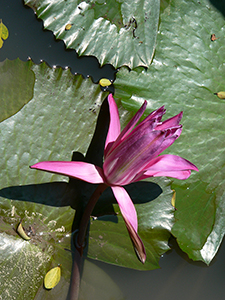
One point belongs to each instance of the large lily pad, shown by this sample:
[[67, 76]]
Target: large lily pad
[[117, 31], [60, 119], [50, 122], [187, 70]]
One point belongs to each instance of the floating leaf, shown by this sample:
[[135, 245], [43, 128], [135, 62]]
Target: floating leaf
[[4, 33], [16, 86], [220, 95], [105, 82], [20, 230], [173, 200], [68, 26], [52, 278]]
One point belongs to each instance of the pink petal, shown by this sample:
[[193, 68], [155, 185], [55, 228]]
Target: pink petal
[[170, 137], [133, 121], [126, 205], [130, 217], [170, 123], [169, 165], [114, 124], [182, 175], [150, 121], [171, 162], [137, 242], [77, 169], [130, 124], [132, 155], [155, 115]]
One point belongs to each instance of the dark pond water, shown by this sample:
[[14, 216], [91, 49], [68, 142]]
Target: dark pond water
[[178, 278], [28, 39]]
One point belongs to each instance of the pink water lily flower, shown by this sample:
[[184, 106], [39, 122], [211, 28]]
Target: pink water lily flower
[[130, 156]]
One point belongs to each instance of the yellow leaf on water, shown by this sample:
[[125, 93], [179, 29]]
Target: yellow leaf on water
[[4, 33], [22, 233], [52, 278], [68, 26], [105, 82], [220, 95], [173, 198]]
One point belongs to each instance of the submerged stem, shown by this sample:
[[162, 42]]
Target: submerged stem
[[75, 277]]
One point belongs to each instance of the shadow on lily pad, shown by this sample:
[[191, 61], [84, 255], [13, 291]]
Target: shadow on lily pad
[[140, 192], [52, 193], [76, 193]]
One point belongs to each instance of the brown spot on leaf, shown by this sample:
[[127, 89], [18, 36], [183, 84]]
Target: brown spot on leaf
[[213, 37]]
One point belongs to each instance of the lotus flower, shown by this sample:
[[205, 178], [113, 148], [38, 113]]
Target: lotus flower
[[130, 156]]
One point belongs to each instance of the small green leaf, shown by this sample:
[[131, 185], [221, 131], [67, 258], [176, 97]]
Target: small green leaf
[[52, 278], [16, 86]]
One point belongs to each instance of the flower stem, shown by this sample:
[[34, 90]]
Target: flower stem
[[75, 278], [86, 216]]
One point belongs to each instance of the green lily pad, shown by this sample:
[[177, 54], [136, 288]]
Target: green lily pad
[[24, 263], [58, 122], [188, 68], [117, 32], [16, 82], [109, 240], [48, 127]]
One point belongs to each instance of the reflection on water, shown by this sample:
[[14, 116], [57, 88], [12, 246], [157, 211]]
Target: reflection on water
[[178, 277], [97, 284]]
